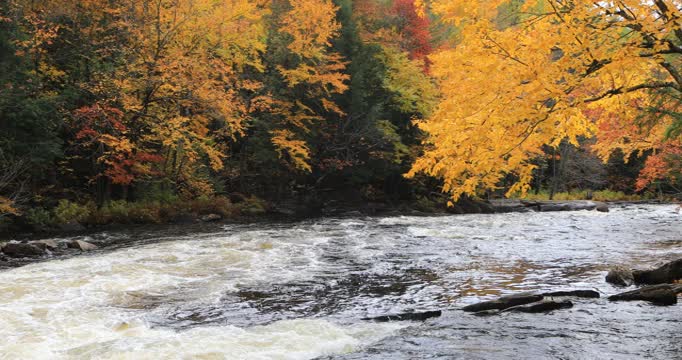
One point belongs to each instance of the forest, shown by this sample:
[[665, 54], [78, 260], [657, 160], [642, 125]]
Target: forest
[[143, 111]]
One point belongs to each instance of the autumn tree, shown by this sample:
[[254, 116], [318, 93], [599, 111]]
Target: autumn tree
[[561, 71]]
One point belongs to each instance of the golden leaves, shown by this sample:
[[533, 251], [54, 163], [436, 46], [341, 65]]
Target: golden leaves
[[291, 150], [555, 74], [7, 206]]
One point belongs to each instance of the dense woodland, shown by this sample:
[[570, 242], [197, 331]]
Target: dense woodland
[[144, 110]]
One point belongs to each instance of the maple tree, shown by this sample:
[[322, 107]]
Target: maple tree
[[509, 91], [315, 75]]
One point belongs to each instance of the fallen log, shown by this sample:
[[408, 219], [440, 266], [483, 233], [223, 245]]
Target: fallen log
[[541, 306], [664, 294], [503, 302], [418, 316]]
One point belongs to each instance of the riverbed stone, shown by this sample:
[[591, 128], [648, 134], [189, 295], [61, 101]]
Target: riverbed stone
[[589, 294], [602, 208], [620, 276], [541, 307], [211, 218], [667, 273], [663, 294], [47, 244], [21, 250], [503, 302], [82, 245], [417, 316]]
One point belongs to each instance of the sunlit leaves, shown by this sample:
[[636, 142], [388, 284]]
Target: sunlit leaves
[[561, 72]]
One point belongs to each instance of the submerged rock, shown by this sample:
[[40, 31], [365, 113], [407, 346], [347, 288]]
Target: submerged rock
[[20, 250], [82, 245], [665, 274], [503, 302], [418, 316], [620, 275], [541, 306], [665, 294]]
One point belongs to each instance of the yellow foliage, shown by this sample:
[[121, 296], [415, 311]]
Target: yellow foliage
[[7, 206], [292, 150], [565, 70]]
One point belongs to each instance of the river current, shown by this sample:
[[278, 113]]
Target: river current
[[300, 290]]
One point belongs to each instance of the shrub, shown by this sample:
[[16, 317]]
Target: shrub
[[253, 206], [40, 218], [67, 211]]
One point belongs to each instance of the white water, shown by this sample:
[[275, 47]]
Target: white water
[[94, 306]]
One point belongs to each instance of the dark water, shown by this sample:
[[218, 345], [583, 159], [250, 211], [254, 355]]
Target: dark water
[[299, 291]]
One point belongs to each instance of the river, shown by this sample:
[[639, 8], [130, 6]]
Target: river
[[300, 290]]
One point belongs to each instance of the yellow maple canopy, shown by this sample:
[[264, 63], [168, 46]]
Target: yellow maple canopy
[[555, 70]]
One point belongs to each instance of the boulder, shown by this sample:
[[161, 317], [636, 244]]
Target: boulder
[[504, 302], [211, 218], [82, 245], [665, 274], [21, 250], [419, 316], [541, 307], [47, 244], [602, 208], [590, 294], [665, 294], [620, 275]]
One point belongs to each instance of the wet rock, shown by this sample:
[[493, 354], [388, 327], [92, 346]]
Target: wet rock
[[620, 275], [665, 294], [602, 208], [590, 294], [553, 205], [418, 316], [47, 244], [211, 217], [503, 302], [667, 273], [82, 245], [21, 250], [541, 307]]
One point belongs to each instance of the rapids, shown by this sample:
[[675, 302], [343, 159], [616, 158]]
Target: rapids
[[299, 290]]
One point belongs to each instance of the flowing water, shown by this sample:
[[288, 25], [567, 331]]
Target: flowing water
[[299, 291]]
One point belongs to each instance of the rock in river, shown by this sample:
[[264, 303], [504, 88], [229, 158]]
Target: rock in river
[[590, 294], [419, 316], [665, 274], [20, 250], [541, 306], [504, 302], [665, 294], [620, 275], [82, 245]]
